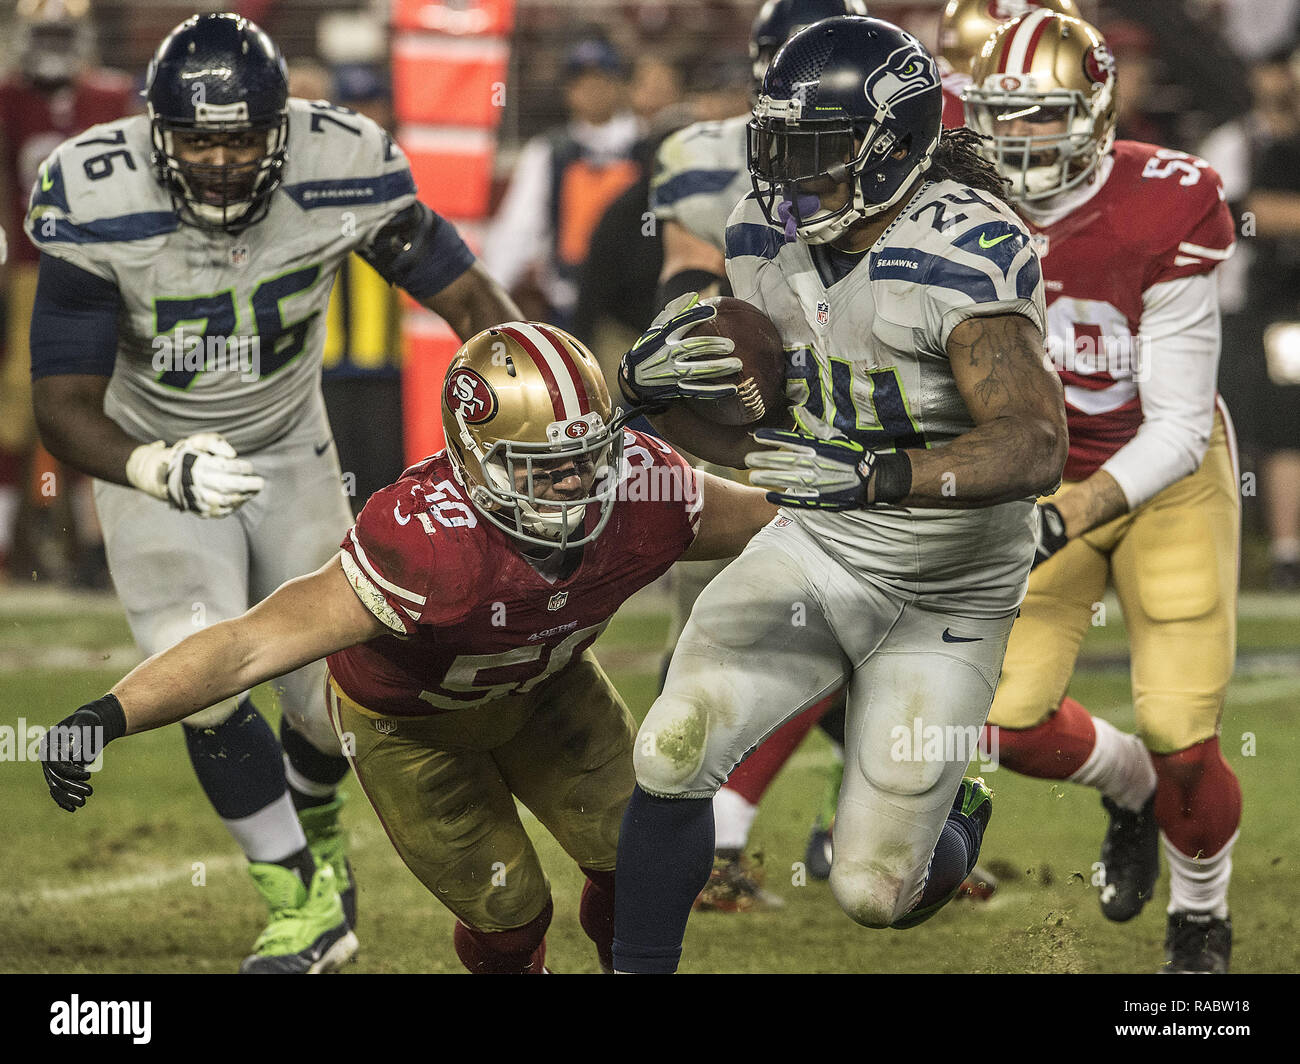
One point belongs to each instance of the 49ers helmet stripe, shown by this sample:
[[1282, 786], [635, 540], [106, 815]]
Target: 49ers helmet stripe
[[568, 394], [1018, 56]]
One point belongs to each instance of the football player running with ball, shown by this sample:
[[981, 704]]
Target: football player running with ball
[[1130, 235], [187, 257], [701, 173], [459, 617], [910, 301]]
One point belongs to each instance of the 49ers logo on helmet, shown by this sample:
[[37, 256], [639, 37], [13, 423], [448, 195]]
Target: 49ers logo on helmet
[[1099, 64], [575, 430], [470, 396]]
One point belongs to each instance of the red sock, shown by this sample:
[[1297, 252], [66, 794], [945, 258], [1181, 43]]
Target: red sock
[[519, 951], [596, 914], [1198, 798], [755, 774], [1052, 750]]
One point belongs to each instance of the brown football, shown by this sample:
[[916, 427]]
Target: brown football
[[717, 430]]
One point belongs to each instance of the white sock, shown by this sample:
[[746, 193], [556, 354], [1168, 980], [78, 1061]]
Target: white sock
[[1119, 766], [1199, 884], [733, 816], [270, 834]]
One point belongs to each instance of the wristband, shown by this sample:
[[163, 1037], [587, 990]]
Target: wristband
[[684, 281], [892, 478], [111, 716]]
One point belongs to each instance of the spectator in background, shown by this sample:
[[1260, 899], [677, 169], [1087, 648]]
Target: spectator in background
[[1258, 157], [617, 282], [563, 182], [362, 379], [54, 93], [657, 89]]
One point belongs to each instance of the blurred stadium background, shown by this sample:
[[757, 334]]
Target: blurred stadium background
[[465, 84]]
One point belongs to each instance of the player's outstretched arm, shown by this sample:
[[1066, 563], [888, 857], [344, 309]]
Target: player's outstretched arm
[[730, 515], [473, 302], [1019, 445], [305, 619]]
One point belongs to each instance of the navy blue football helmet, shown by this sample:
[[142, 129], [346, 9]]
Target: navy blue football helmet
[[216, 86], [779, 20], [850, 102]]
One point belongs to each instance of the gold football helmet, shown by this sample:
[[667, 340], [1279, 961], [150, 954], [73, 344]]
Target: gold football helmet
[[520, 402], [967, 24], [1043, 91]]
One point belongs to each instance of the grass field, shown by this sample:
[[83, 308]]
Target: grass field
[[146, 880]]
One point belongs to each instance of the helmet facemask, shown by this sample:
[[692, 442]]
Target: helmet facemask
[[515, 475], [789, 158], [231, 196], [1039, 166]]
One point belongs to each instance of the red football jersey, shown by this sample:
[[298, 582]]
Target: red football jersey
[[479, 621], [34, 123], [954, 111], [1159, 216]]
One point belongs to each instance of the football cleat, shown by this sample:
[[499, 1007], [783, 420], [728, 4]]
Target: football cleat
[[328, 845], [974, 804], [1197, 943], [817, 857], [1130, 858], [308, 933], [736, 886]]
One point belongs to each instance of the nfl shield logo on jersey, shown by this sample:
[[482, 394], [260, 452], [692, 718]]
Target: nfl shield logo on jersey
[[823, 312], [239, 255], [1041, 242], [557, 601]]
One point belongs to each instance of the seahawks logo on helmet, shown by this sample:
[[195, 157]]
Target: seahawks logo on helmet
[[905, 74]]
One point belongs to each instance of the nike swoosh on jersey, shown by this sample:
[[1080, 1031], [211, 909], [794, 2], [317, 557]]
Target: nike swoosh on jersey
[[948, 637], [323, 447], [47, 182], [994, 243]]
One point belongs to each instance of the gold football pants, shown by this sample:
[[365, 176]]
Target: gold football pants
[[1173, 563]]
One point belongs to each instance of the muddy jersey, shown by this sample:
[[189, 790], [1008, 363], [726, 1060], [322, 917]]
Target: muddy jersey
[[220, 332], [866, 357], [1159, 216], [471, 619]]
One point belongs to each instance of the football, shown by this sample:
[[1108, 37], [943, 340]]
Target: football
[[718, 430]]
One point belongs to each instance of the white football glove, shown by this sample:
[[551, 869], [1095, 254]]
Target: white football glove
[[666, 364], [200, 474]]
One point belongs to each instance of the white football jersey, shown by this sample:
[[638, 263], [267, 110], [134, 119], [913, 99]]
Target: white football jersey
[[866, 350], [219, 332], [701, 173]]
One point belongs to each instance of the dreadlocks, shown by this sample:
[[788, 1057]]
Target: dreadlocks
[[958, 158]]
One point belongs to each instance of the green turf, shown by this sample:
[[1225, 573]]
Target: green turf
[[146, 879]]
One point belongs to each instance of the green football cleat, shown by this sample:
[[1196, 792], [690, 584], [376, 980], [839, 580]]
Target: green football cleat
[[974, 802], [308, 933], [329, 846]]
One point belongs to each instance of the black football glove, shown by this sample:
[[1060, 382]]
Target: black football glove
[[72, 744], [1051, 534]]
